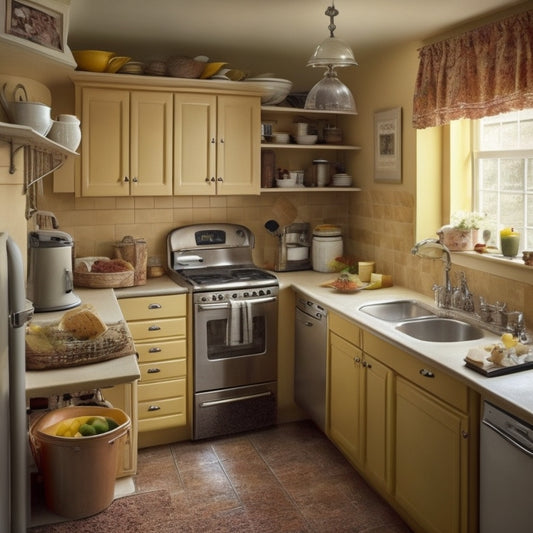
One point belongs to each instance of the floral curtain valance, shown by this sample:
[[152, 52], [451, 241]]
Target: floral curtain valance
[[480, 73]]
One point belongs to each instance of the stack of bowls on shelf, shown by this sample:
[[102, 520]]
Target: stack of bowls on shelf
[[341, 180]]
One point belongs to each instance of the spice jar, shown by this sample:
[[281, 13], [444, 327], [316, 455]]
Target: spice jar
[[333, 135]]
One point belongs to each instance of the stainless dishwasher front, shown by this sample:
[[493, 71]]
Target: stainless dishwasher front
[[506, 472], [310, 359]]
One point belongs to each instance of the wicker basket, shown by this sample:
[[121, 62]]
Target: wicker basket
[[98, 280], [184, 67], [67, 351]]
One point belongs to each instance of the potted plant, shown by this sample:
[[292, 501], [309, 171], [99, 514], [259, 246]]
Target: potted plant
[[461, 235]]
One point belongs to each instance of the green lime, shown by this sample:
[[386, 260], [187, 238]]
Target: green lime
[[100, 425], [111, 423], [87, 430]]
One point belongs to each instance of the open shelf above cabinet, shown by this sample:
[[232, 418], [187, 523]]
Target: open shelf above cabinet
[[310, 189], [42, 155]]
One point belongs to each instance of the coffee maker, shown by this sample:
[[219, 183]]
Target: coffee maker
[[294, 246], [50, 278]]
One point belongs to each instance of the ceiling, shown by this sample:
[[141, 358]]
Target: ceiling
[[261, 36]]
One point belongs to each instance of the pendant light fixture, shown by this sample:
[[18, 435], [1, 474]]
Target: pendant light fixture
[[330, 93]]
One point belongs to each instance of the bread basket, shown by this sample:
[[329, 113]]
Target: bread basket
[[107, 280]]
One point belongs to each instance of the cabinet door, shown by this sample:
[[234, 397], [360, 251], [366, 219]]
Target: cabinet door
[[378, 422], [195, 144], [431, 460], [151, 143], [239, 145], [344, 427], [105, 143]]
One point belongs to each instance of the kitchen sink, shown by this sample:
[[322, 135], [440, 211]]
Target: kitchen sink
[[438, 329], [397, 311]]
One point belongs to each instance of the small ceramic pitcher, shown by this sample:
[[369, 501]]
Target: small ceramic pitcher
[[66, 131]]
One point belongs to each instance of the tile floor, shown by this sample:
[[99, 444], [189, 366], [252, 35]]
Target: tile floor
[[288, 478]]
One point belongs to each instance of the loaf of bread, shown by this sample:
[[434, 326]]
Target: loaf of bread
[[113, 265], [83, 323]]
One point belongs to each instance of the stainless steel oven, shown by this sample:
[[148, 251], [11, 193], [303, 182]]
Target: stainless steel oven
[[235, 309]]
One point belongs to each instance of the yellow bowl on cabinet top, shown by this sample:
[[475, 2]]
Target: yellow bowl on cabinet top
[[93, 60], [116, 63], [211, 69]]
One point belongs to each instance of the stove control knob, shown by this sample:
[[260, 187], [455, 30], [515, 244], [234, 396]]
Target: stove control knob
[[220, 296], [246, 294], [234, 295], [261, 293], [214, 297]]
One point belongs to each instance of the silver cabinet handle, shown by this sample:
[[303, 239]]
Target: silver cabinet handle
[[135, 180], [154, 408], [236, 399], [154, 328], [153, 371], [126, 179], [154, 306], [426, 373], [154, 349]]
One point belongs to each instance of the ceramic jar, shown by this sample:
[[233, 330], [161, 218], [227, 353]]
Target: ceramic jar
[[66, 131]]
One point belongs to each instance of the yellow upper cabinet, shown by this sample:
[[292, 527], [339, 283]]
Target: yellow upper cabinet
[[216, 144], [126, 146]]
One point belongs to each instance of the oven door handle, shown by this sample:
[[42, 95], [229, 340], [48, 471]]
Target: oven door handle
[[238, 399], [225, 305]]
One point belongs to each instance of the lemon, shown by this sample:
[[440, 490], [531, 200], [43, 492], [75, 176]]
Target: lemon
[[509, 341]]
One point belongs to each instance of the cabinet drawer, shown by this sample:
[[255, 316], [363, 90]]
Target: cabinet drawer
[[159, 370], [153, 329], [151, 307], [161, 350], [148, 392], [162, 422], [344, 328], [161, 408], [417, 371]]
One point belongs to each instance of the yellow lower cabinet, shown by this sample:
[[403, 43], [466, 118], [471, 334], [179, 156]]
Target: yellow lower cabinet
[[344, 427], [159, 326], [124, 397], [377, 405], [431, 460]]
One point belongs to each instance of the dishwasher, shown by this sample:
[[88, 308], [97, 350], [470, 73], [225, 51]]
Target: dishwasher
[[310, 349], [506, 472]]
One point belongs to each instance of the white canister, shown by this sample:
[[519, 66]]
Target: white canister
[[327, 245]]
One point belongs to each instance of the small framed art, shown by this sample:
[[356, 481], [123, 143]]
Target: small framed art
[[388, 145]]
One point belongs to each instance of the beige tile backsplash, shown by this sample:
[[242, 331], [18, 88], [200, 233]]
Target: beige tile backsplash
[[377, 225]]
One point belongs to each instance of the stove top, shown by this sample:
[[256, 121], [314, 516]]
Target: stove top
[[221, 278], [215, 257]]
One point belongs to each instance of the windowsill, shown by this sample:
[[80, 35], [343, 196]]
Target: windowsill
[[495, 264]]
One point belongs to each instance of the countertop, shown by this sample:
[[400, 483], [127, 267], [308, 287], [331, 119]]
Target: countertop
[[512, 391], [43, 383]]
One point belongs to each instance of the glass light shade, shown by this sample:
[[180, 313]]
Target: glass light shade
[[334, 52], [330, 94]]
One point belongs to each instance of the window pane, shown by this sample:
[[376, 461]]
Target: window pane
[[526, 134], [488, 174], [512, 174]]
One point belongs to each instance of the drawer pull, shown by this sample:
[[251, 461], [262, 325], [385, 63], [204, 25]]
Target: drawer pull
[[154, 306], [154, 349], [426, 373], [154, 408], [154, 328], [153, 371]]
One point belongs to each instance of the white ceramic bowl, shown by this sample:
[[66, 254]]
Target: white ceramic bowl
[[276, 89], [281, 138], [306, 139], [287, 182]]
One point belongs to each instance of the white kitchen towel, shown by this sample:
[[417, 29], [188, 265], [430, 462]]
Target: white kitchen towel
[[233, 334], [247, 323]]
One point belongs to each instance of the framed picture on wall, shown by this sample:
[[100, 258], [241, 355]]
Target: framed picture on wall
[[37, 25], [388, 145]]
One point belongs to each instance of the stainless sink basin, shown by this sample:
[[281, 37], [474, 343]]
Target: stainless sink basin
[[396, 311], [439, 329]]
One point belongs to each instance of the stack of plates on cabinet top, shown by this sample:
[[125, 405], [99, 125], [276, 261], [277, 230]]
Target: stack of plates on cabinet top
[[341, 180]]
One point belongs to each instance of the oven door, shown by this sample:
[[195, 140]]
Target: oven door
[[235, 343]]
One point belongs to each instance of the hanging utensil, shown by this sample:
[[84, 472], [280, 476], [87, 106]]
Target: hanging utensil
[[272, 226]]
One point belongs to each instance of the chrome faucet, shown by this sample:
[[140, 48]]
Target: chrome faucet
[[434, 249]]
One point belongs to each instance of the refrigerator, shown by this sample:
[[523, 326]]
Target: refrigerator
[[15, 311]]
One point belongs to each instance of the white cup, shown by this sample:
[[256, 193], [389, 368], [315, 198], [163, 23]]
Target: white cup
[[365, 269], [301, 128]]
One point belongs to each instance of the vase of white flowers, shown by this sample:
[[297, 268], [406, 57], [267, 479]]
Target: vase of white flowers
[[461, 235]]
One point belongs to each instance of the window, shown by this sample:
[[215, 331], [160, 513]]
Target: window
[[503, 173]]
